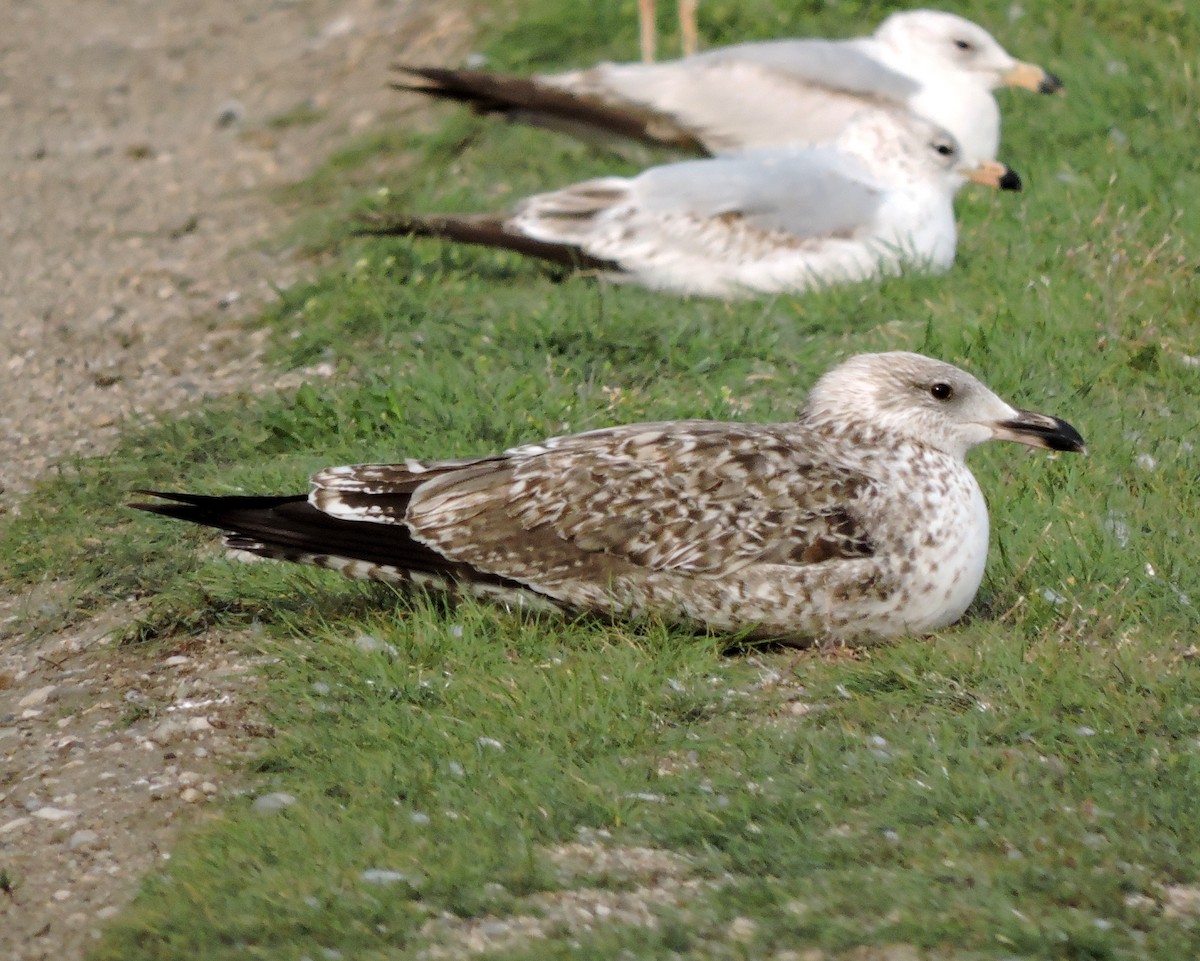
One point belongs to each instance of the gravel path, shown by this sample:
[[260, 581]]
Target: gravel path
[[138, 155]]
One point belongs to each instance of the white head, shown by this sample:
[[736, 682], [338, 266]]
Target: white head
[[899, 147], [931, 403], [933, 41]]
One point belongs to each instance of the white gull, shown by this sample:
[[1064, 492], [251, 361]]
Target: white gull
[[767, 93], [876, 202]]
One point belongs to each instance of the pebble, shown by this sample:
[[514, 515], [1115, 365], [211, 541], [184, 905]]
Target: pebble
[[381, 876], [188, 778], [369, 644], [189, 795], [81, 839], [62, 894], [742, 929], [167, 731], [275, 801], [176, 660], [197, 724], [14, 824], [53, 814], [208, 787], [39, 696], [490, 742]]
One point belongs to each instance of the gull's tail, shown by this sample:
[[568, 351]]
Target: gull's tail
[[289, 528], [530, 101], [484, 230]]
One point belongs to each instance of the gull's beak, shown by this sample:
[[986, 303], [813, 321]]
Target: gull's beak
[[1032, 77], [1040, 430], [992, 173]]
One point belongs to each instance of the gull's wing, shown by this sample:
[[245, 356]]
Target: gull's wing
[[691, 497], [694, 206], [752, 95]]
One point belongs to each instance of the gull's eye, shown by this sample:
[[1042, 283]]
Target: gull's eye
[[941, 391], [943, 148], [964, 44]]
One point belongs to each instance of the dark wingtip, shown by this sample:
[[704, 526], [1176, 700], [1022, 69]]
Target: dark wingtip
[[1050, 84], [1011, 180]]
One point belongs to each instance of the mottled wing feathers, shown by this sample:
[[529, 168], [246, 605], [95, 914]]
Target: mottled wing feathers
[[694, 498]]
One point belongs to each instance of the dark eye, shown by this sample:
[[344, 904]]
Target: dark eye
[[944, 149], [941, 391], [964, 44]]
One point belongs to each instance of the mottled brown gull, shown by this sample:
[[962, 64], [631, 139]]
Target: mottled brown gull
[[877, 201], [768, 93], [860, 518]]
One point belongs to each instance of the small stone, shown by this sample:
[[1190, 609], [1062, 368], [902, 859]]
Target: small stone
[[419, 817], [39, 696], [490, 742], [62, 895], [111, 911], [382, 876], [189, 795], [83, 839], [321, 688], [166, 732], [229, 113], [188, 778], [53, 814], [177, 660], [369, 644], [14, 825], [743, 930], [197, 724], [208, 787], [275, 801]]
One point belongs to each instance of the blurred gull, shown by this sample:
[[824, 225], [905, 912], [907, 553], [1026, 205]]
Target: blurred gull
[[877, 201], [768, 93]]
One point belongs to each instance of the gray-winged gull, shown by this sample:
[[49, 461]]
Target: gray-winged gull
[[768, 93], [876, 202]]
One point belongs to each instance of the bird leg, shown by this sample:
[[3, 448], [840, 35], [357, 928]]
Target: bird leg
[[687, 26], [646, 29]]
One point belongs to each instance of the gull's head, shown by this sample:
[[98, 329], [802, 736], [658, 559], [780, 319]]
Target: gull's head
[[900, 147], [931, 40], [930, 403]]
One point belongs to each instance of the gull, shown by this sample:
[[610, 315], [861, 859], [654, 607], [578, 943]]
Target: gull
[[768, 93], [858, 519], [878, 200]]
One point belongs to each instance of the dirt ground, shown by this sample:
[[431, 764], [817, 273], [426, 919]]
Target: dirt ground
[[142, 138]]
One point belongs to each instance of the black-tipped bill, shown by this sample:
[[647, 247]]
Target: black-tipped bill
[[1049, 84], [1041, 430], [1010, 180], [992, 173]]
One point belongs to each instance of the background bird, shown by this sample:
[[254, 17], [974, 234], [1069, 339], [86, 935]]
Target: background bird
[[859, 518], [877, 201], [768, 93]]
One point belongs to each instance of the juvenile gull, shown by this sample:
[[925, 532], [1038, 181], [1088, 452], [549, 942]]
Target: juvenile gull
[[768, 93], [860, 518], [878, 200]]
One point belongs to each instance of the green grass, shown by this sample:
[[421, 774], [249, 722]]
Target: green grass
[[1004, 789]]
